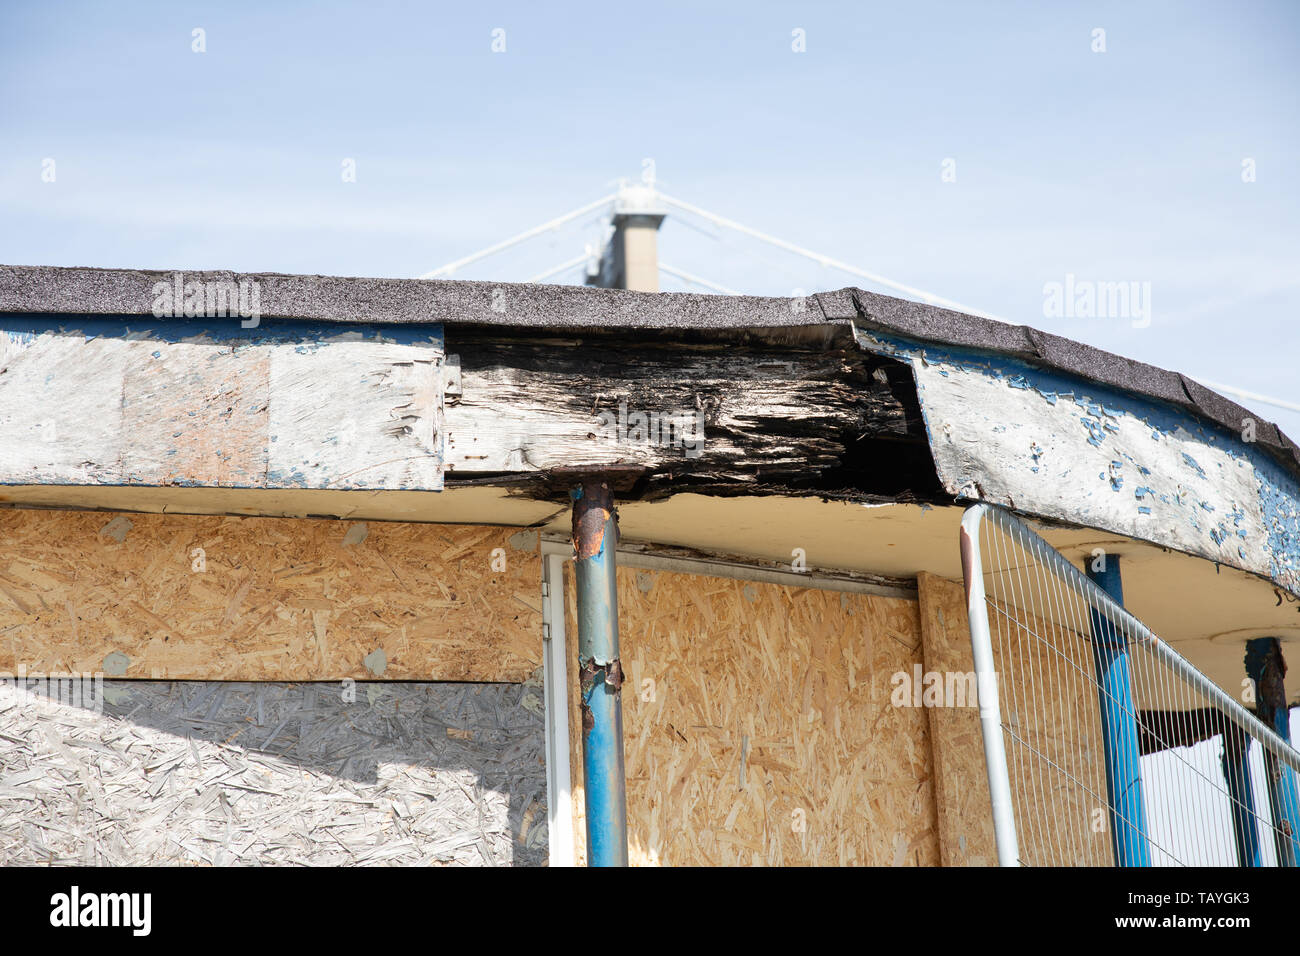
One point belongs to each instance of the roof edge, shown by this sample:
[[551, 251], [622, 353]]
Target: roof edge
[[98, 291]]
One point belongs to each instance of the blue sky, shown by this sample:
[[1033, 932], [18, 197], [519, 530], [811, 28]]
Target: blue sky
[[1117, 166]]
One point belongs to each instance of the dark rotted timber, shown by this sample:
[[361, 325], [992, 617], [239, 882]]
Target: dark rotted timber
[[776, 418]]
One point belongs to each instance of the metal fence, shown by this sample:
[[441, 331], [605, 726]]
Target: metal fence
[[1104, 745]]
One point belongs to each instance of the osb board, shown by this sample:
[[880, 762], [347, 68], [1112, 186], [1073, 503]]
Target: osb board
[[766, 700], [277, 598], [1051, 706], [262, 774], [961, 784]]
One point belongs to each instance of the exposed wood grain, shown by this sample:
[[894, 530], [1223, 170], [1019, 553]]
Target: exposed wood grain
[[771, 417], [317, 409], [195, 415]]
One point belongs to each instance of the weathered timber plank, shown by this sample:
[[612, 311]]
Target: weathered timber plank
[[194, 414], [769, 415], [297, 408], [356, 414], [209, 403], [60, 410], [1036, 442]]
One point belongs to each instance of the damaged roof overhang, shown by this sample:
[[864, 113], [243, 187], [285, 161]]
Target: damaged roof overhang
[[54, 289], [948, 352]]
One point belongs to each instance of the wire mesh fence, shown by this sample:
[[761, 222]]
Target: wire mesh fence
[[1104, 745]]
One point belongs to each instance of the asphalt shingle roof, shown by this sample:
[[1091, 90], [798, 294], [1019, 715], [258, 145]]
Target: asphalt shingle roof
[[127, 292]]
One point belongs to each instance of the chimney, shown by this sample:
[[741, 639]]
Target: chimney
[[631, 257]]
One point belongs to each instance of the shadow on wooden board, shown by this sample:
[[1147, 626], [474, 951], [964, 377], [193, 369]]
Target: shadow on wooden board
[[235, 773]]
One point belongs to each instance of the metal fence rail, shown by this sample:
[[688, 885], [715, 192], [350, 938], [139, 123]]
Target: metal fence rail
[[1103, 744]]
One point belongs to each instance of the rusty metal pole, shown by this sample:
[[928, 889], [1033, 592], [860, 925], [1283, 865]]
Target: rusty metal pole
[[1267, 668], [1241, 794], [600, 673]]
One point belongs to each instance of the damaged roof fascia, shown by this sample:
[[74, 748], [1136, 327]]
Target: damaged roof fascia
[[211, 403], [1146, 418], [930, 324], [46, 289], [1063, 447]]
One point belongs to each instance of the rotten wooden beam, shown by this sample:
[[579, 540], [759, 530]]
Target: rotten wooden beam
[[745, 418]]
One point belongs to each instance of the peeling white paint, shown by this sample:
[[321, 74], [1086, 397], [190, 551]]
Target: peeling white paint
[[322, 411], [1082, 461]]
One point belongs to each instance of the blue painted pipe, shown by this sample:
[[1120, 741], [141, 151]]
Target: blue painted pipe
[[1241, 795], [1265, 666], [1119, 725], [600, 673]]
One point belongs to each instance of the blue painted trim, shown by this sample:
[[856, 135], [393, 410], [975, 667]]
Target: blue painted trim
[[1119, 726], [1284, 802], [267, 331], [1241, 796]]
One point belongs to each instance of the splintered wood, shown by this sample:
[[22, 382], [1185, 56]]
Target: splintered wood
[[1059, 793], [758, 725], [212, 598], [214, 773]]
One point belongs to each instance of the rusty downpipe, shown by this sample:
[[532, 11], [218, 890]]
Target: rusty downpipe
[[600, 673]]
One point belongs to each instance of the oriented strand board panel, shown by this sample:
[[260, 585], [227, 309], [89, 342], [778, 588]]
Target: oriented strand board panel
[[758, 725], [165, 773], [222, 598], [961, 784], [1051, 706]]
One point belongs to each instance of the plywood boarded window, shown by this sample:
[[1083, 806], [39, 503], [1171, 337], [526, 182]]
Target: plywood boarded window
[[758, 725], [208, 598]]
